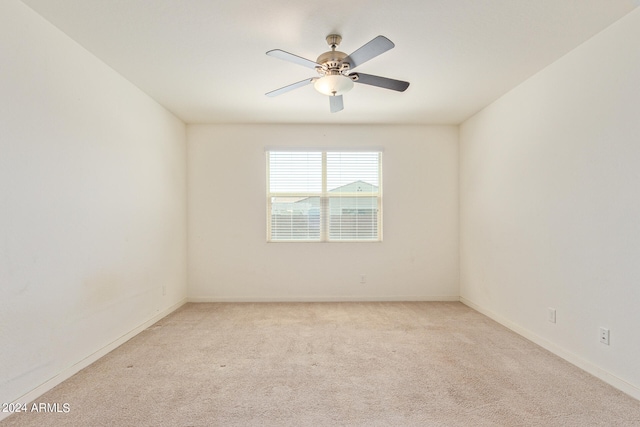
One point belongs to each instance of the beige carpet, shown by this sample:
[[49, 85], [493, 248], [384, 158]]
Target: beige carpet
[[327, 364]]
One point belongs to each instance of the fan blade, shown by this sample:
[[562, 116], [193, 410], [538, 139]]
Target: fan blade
[[375, 47], [281, 54], [289, 87], [382, 82], [335, 103]]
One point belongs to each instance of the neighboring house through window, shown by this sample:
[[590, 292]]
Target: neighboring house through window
[[318, 196]]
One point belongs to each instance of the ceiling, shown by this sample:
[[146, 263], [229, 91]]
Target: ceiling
[[205, 60]]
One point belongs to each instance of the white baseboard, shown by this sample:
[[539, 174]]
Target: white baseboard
[[72, 370], [578, 361], [353, 298]]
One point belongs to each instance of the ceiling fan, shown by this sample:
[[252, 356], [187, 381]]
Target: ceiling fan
[[334, 68]]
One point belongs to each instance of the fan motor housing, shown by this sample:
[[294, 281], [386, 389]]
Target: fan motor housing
[[332, 61]]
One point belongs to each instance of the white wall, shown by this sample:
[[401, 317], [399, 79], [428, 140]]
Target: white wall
[[229, 258], [550, 205], [92, 204]]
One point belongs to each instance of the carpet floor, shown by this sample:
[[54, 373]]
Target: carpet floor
[[332, 364]]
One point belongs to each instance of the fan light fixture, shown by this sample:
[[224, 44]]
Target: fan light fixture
[[333, 84]]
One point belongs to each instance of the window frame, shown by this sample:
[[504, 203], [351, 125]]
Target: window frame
[[325, 195]]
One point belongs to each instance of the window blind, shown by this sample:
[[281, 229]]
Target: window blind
[[324, 196]]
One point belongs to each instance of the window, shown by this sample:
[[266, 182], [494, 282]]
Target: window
[[324, 196]]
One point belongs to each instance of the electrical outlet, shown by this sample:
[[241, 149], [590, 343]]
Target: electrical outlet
[[363, 278], [604, 336], [552, 315]]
